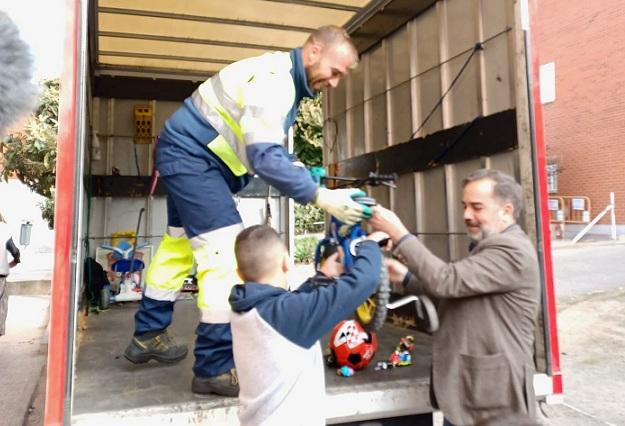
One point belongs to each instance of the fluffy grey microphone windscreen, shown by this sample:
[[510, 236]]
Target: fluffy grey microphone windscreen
[[17, 92]]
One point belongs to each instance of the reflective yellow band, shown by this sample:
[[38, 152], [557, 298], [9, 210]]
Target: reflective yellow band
[[210, 97], [171, 264], [162, 295], [216, 267], [222, 149]]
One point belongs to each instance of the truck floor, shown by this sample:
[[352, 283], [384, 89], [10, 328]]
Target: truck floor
[[107, 386]]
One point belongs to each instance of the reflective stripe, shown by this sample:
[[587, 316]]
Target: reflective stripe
[[213, 316], [170, 265], [159, 294], [226, 146], [255, 111], [261, 125], [263, 135], [227, 233], [175, 232], [222, 149], [235, 109], [216, 267], [203, 100], [251, 97]]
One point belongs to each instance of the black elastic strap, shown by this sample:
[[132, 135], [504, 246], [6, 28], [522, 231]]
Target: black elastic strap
[[406, 279]]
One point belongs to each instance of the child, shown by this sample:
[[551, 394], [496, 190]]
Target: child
[[329, 265], [276, 332]]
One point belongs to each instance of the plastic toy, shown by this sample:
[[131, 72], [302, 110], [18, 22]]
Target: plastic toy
[[345, 371], [350, 345]]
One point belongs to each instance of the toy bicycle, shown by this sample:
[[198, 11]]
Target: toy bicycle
[[372, 313]]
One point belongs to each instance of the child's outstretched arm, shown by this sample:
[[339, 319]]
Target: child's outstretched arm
[[305, 316]]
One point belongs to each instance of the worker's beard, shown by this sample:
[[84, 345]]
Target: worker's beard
[[315, 80]]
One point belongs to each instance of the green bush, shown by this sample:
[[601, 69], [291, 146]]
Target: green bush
[[308, 219], [305, 248]]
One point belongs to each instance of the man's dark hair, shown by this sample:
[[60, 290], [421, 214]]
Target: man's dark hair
[[16, 63], [256, 249], [506, 189]]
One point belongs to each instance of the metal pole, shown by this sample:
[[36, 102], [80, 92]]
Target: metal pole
[[591, 224], [612, 215]]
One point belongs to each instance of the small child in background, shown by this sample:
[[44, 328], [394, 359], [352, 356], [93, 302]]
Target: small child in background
[[328, 263]]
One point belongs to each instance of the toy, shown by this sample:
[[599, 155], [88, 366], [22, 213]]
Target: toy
[[372, 313], [345, 371], [350, 345], [401, 355], [406, 343]]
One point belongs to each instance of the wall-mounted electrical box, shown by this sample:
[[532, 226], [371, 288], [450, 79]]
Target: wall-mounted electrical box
[[143, 116]]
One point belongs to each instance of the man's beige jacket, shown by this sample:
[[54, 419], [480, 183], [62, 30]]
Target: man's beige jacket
[[482, 355]]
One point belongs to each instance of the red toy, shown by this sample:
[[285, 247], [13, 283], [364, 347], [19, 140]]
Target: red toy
[[351, 345]]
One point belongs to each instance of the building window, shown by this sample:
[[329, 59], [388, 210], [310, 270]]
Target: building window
[[547, 83], [552, 177]]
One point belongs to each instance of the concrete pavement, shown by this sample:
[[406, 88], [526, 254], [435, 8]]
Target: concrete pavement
[[23, 356], [590, 292]]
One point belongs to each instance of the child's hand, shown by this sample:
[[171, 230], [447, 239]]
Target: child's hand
[[379, 237], [396, 270]]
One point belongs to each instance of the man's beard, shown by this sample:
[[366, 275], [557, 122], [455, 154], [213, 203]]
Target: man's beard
[[479, 236]]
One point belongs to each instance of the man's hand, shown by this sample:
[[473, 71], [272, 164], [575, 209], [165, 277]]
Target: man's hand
[[396, 270], [387, 221], [339, 203]]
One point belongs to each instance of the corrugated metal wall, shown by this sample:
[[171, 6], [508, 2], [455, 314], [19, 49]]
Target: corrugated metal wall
[[398, 84]]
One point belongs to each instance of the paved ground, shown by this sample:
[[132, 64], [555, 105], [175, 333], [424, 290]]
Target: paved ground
[[590, 287], [588, 268], [22, 357], [590, 291], [592, 347]]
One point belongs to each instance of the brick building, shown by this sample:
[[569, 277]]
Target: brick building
[[583, 45]]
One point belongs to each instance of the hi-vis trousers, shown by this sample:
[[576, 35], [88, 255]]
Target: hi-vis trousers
[[203, 223]]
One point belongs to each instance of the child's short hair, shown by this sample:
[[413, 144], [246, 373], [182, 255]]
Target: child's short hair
[[258, 250]]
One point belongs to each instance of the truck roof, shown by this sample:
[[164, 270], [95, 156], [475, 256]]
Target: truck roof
[[188, 42]]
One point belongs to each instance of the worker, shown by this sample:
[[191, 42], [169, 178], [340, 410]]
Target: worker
[[232, 127]]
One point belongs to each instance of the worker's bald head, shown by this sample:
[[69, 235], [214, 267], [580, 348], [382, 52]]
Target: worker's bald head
[[332, 36], [328, 55]]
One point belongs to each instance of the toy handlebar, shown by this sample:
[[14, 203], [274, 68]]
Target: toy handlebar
[[373, 179]]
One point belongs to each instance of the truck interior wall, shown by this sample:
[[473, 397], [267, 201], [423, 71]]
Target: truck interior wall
[[112, 147], [394, 98], [112, 120]]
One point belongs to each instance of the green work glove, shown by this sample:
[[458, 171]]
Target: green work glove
[[340, 204]]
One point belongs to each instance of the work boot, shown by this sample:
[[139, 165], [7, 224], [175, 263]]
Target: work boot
[[226, 384], [156, 345]]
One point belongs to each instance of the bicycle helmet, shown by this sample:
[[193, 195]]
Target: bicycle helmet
[[350, 345]]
